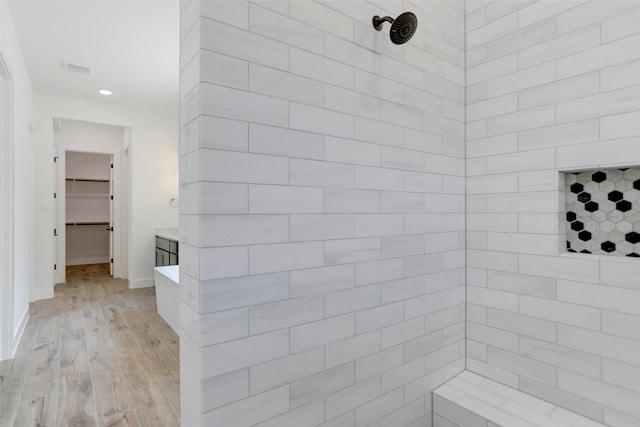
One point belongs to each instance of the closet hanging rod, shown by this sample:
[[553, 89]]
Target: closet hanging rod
[[87, 223], [86, 180]]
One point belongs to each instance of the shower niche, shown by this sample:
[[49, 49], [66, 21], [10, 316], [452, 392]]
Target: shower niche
[[603, 212]]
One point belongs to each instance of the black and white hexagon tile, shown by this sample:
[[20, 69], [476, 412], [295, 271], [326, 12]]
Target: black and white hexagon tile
[[603, 212]]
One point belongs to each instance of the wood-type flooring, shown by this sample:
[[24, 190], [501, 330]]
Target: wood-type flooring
[[97, 354]]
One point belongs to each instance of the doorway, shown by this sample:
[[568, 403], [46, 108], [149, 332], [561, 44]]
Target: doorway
[[89, 210], [92, 206]]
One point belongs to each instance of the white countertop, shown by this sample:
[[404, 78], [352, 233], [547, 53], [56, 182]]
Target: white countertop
[[172, 272], [169, 233]]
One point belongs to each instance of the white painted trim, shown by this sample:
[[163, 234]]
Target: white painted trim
[[141, 283], [126, 211], [59, 271], [7, 212], [60, 241], [43, 294], [84, 261], [19, 332]]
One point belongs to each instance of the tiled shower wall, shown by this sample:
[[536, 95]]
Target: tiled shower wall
[[551, 87], [322, 212]]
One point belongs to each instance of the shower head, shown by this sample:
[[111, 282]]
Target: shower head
[[402, 28]]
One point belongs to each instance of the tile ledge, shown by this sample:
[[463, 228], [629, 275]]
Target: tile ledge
[[601, 258], [620, 260], [590, 257]]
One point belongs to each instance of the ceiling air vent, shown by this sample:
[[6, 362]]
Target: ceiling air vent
[[75, 68]]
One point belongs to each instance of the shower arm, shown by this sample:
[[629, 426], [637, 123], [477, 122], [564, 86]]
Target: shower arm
[[378, 21]]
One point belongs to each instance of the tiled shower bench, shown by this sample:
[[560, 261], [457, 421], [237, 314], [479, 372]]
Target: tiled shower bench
[[470, 400]]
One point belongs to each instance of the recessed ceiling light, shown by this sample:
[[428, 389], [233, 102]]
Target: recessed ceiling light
[[105, 92]]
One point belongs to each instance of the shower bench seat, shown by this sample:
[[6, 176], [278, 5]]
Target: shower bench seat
[[471, 400]]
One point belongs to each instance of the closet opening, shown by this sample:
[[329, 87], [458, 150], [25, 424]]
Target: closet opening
[[92, 178], [89, 209]]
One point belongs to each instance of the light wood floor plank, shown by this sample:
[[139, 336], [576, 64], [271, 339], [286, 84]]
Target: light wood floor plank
[[97, 334], [76, 404], [43, 371], [10, 390], [74, 358], [37, 411], [113, 401], [12, 376], [152, 405]]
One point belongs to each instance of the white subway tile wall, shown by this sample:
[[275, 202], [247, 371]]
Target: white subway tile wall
[[323, 187], [324, 195], [553, 87]]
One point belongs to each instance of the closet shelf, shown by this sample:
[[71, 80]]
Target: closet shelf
[[88, 195], [86, 223], [85, 180]]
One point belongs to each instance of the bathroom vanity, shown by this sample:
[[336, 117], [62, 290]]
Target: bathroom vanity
[[166, 246]]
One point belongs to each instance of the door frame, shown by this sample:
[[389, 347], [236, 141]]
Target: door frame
[[111, 220], [8, 335], [118, 233]]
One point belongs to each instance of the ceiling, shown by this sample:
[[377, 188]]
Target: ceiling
[[132, 48]]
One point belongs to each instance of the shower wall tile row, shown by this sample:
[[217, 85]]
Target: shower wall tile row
[[552, 87], [322, 215]]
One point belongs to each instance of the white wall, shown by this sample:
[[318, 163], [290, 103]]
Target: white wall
[[24, 191], [87, 244], [551, 87], [90, 165], [322, 224], [153, 156]]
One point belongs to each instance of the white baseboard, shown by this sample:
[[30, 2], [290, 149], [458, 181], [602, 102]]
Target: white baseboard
[[85, 261], [19, 331], [141, 283], [42, 294]]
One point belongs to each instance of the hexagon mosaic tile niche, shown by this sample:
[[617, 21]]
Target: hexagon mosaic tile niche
[[603, 212]]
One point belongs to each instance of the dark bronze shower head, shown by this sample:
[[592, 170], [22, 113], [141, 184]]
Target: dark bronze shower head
[[402, 28]]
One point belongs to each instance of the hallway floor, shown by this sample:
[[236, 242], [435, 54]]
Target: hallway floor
[[97, 354]]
